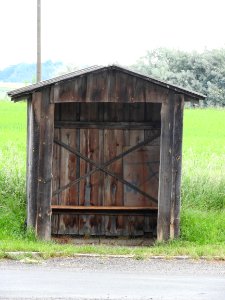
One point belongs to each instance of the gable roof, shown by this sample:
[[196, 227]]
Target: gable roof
[[25, 91]]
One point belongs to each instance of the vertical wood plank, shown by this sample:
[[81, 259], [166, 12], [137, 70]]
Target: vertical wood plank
[[165, 172], [68, 224], [91, 145], [43, 220], [176, 171], [94, 153], [56, 168], [33, 115], [113, 190], [56, 179], [141, 168], [136, 223], [68, 171]]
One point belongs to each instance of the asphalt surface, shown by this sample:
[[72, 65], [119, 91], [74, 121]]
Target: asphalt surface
[[112, 278]]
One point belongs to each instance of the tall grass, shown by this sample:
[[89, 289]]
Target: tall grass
[[203, 180], [12, 168]]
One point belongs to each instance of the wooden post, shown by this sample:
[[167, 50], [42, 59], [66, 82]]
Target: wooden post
[[176, 168], [44, 193], [165, 171], [33, 119]]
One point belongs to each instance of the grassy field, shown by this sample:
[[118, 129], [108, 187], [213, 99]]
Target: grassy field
[[203, 189]]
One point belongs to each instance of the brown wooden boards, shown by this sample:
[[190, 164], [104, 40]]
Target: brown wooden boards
[[141, 167], [33, 134], [44, 192], [122, 180], [170, 168], [55, 180], [90, 188], [176, 169], [108, 86], [113, 189], [165, 173], [105, 131]]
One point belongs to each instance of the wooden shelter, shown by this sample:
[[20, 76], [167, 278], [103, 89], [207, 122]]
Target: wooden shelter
[[104, 154]]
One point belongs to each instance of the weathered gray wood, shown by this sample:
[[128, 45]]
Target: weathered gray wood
[[112, 174], [43, 220], [33, 118], [176, 168], [108, 125], [150, 139], [165, 172], [56, 180], [108, 86]]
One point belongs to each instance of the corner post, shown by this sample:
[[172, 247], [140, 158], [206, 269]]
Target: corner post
[[176, 167], [33, 119], [44, 191], [165, 170]]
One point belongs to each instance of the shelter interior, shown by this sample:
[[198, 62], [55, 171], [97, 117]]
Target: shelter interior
[[122, 139]]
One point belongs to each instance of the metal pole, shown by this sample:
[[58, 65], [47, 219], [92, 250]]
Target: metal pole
[[38, 40]]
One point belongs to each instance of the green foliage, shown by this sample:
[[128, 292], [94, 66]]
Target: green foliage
[[201, 72]]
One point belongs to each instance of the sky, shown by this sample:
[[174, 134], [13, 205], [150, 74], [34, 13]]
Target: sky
[[89, 32]]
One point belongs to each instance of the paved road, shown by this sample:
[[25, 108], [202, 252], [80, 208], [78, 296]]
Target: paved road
[[98, 278]]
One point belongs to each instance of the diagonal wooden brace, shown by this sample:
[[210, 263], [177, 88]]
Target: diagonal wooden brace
[[121, 155], [103, 166]]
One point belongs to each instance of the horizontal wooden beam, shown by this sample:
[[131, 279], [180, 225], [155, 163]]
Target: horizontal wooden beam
[[113, 125], [104, 210]]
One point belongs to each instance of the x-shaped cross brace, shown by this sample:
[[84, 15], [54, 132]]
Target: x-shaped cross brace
[[102, 167]]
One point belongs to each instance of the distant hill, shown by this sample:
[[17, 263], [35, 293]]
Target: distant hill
[[26, 73]]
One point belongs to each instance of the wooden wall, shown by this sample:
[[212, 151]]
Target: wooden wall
[[101, 115], [108, 86], [101, 131]]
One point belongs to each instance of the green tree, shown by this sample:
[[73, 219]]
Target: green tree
[[202, 72]]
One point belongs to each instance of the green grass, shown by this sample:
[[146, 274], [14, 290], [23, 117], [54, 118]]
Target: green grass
[[203, 190], [204, 159]]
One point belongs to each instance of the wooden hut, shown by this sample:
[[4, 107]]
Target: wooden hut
[[104, 148]]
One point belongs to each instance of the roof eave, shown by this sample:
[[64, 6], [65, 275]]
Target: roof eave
[[23, 93]]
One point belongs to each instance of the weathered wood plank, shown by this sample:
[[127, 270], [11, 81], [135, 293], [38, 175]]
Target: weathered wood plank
[[131, 197], [141, 168], [68, 167], [68, 172], [33, 133], [43, 220], [113, 189], [108, 86], [55, 180], [165, 172], [107, 125], [109, 210], [70, 91], [176, 168], [125, 87], [89, 187], [97, 87]]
